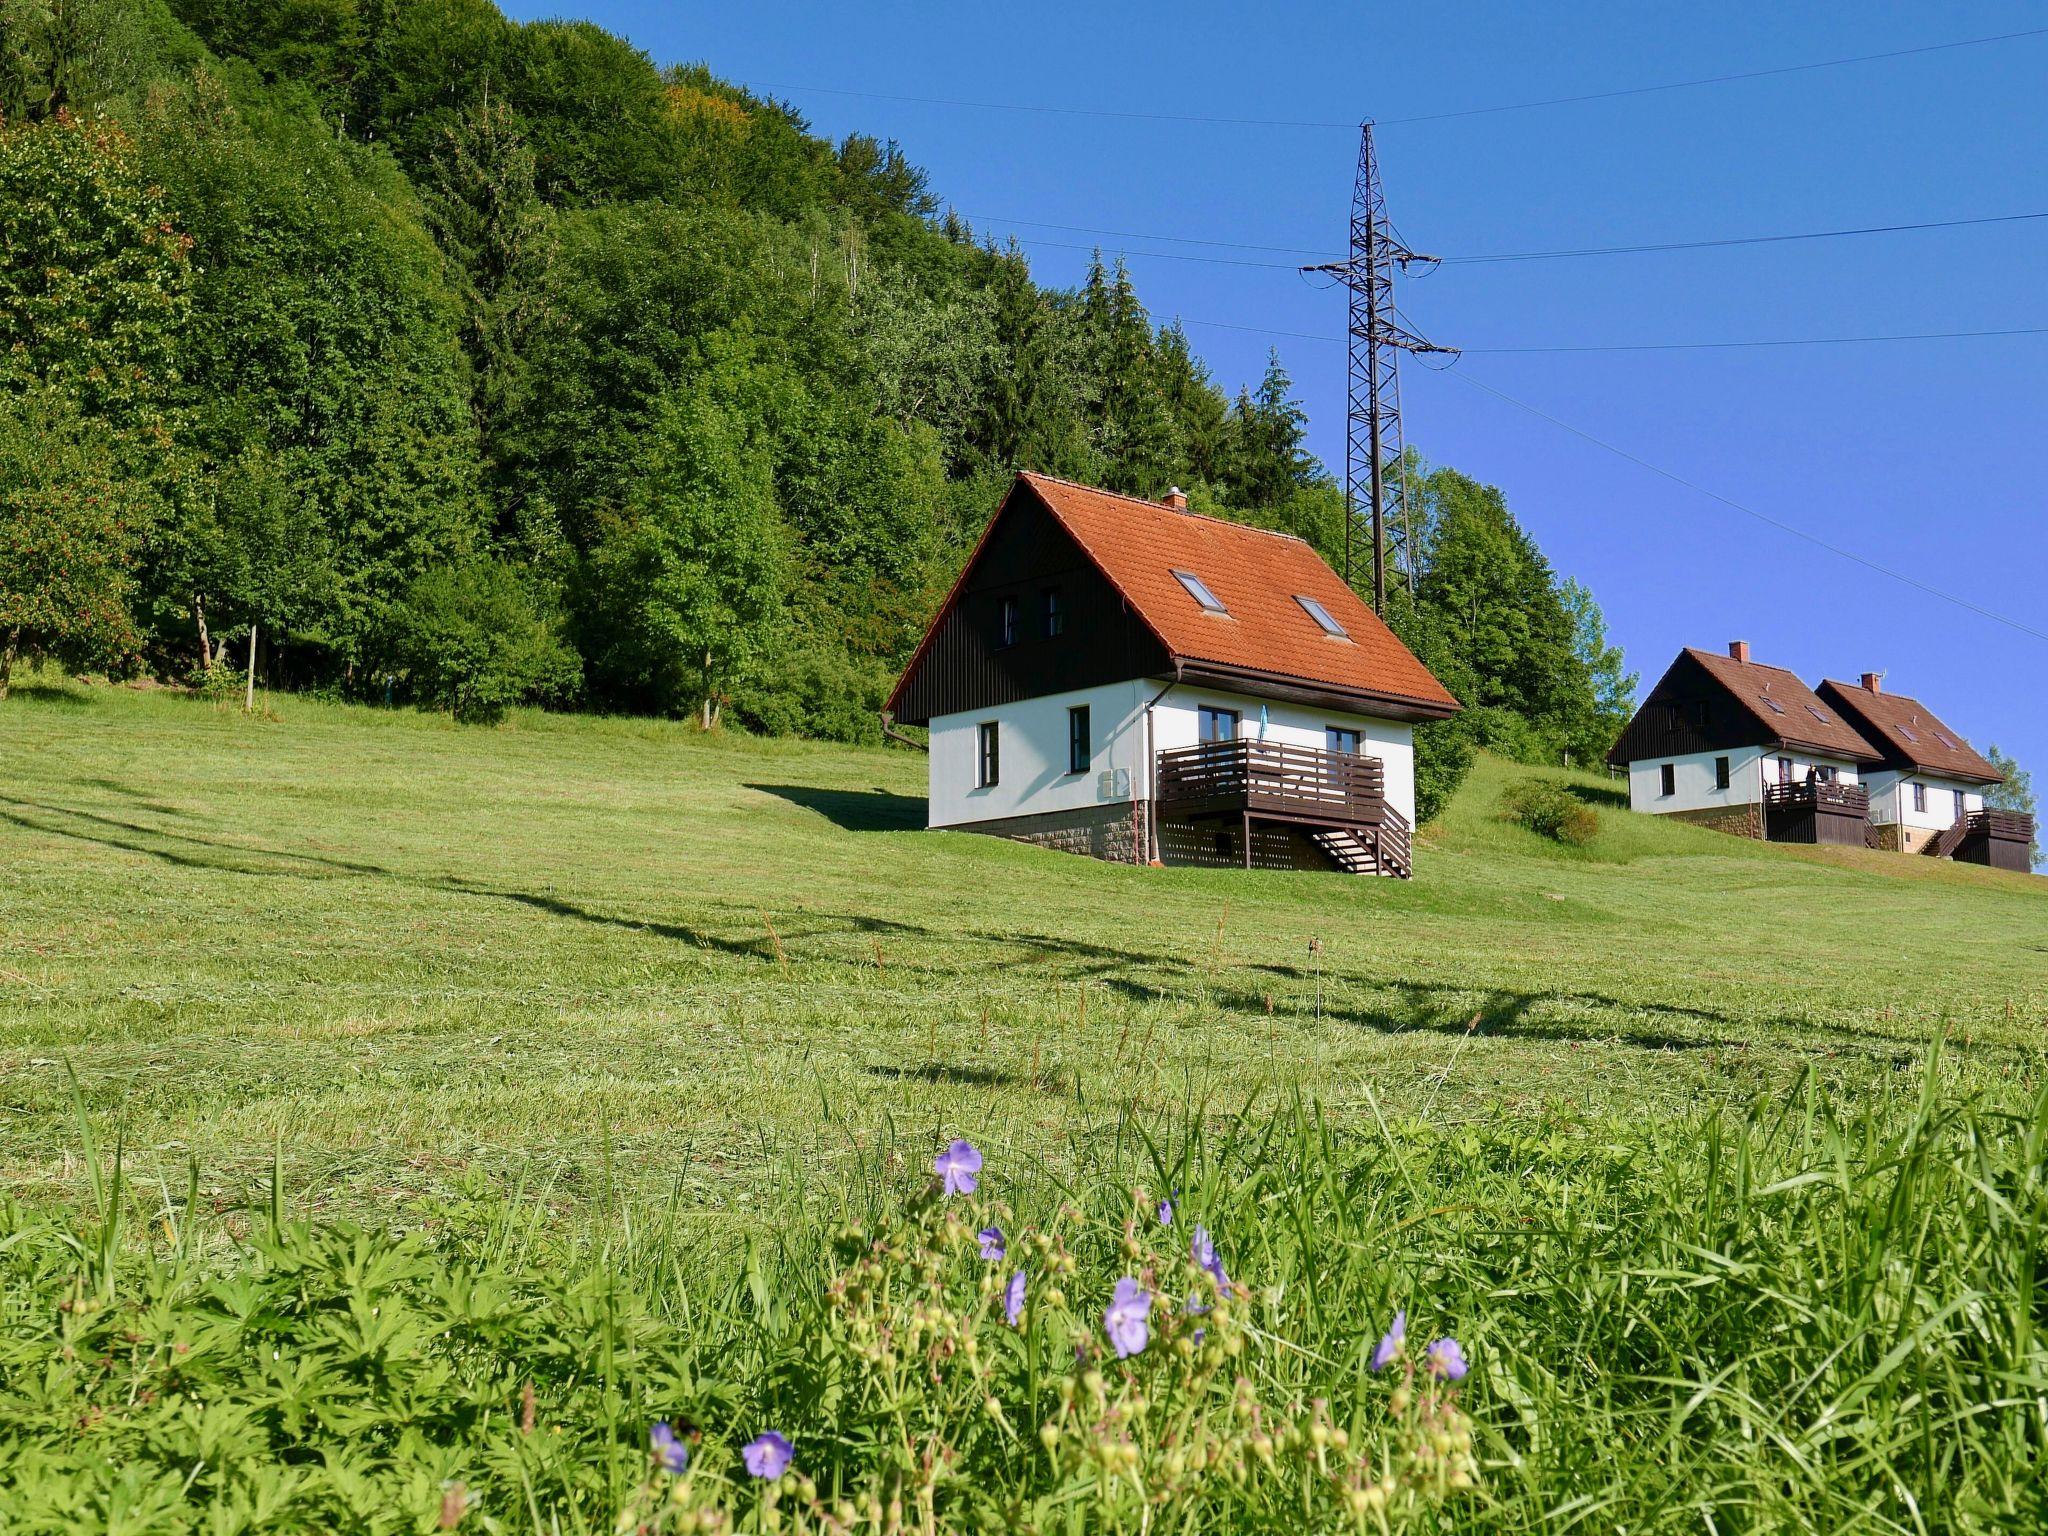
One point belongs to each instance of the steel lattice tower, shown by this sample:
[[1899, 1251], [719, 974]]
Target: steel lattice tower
[[1375, 465]]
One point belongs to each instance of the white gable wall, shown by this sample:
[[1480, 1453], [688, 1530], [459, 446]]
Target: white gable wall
[[1749, 770], [1033, 777], [1891, 799]]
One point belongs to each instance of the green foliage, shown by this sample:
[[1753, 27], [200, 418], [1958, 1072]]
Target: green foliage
[[467, 639], [448, 275], [1444, 750], [2013, 792], [685, 589], [1549, 809], [94, 291], [68, 518]]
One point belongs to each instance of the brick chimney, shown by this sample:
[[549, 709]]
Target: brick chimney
[[1873, 682], [1739, 649], [1176, 498]]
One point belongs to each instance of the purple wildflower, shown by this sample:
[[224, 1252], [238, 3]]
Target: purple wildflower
[[1390, 1343], [1125, 1318], [957, 1167], [1166, 1213], [1013, 1299], [991, 1244], [1203, 1251], [1447, 1360], [670, 1454], [767, 1455]]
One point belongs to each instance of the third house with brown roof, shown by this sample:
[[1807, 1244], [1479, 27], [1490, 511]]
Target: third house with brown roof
[[1137, 681]]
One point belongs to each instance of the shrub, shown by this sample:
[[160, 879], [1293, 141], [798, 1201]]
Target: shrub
[[468, 640], [1443, 756], [1547, 808]]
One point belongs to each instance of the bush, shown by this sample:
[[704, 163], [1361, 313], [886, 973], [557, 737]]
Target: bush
[[468, 640], [1443, 756], [1547, 808]]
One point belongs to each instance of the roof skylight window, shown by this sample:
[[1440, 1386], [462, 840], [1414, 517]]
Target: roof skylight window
[[1772, 704], [1938, 736], [1907, 732], [1321, 615], [1819, 714], [1200, 592]]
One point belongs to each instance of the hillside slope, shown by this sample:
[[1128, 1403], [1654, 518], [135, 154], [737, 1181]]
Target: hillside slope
[[419, 956]]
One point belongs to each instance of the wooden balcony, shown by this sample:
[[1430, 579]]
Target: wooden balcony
[[2001, 839], [1338, 800], [1816, 811]]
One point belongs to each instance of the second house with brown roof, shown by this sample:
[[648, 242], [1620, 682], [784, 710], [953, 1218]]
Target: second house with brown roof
[[1732, 743], [1930, 783], [1133, 680]]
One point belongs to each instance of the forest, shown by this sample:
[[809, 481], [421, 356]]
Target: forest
[[476, 364]]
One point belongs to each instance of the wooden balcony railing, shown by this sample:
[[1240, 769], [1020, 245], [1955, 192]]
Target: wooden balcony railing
[[1275, 781], [1815, 794], [2006, 826]]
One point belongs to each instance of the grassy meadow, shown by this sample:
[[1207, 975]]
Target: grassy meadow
[[1724, 1161]]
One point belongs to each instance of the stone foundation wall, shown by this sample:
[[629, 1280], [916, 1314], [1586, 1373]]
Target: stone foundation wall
[[1917, 838], [1099, 831], [1736, 820], [1891, 837]]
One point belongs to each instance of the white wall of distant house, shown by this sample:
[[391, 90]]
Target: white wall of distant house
[[1032, 774], [1032, 765], [1891, 799], [1176, 722], [1749, 770]]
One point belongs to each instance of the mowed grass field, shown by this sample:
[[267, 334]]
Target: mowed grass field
[[613, 961]]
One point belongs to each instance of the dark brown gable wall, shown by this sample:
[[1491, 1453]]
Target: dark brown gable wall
[[1670, 723], [964, 668]]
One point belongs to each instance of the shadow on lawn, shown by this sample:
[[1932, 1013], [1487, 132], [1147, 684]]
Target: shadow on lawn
[[854, 810], [1435, 1007]]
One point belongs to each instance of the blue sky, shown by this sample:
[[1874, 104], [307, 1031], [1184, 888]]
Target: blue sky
[[1929, 457]]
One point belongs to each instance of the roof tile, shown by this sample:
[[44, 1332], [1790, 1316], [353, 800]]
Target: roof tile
[[1257, 575], [1910, 731]]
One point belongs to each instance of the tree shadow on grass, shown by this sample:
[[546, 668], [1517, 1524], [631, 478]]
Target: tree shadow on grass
[[952, 1072], [49, 693], [854, 810], [1610, 797]]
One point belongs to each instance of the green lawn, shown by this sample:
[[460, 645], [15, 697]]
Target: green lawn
[[424, 960], [579, 1044]]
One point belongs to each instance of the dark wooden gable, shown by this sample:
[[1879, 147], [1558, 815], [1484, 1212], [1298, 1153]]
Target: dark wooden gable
[[963, 664], [1688, 711]]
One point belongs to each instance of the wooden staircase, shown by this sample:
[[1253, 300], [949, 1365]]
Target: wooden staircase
[[1945, 844], [1387, 849]]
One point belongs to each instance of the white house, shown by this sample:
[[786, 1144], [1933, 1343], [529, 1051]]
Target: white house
[[1930, 782], [1133, 680], [1731, 743]]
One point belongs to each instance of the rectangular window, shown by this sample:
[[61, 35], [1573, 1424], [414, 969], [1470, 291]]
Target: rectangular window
[[1772, 704], [1340, 738], [1217, 724], [1699, 713], [1078, 751], [1669, 774], [1907, 732], [989, 766], [1055, 612], [1784, 770], [1962, 805], [1006, 622], [1825, 775], [1919, 797], [1199, 592], [1720, 773], [1819, 714]]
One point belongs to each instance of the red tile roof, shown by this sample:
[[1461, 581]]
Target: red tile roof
[[1913, 733], [1801, 717], [1256, 575]]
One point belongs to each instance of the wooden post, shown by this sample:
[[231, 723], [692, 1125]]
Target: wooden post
[[1247, 839], [249, 694]]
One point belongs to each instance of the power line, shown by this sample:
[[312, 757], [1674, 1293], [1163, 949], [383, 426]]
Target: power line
[[1393, 122], [1763, 517], [1751, 74], [1490, 257], [1664, 346], [1500, 256]]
